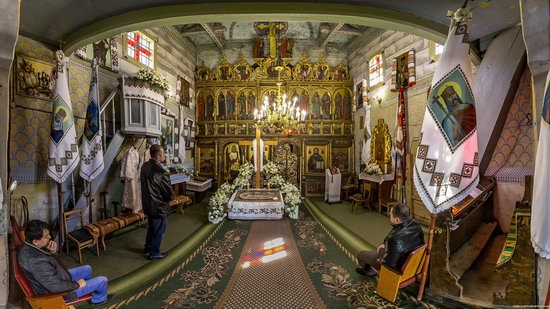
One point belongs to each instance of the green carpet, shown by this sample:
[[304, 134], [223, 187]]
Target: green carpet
[[127, 245], [200, 282]]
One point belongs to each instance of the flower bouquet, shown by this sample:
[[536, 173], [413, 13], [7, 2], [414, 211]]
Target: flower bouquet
[[373, 169], [153, 78]]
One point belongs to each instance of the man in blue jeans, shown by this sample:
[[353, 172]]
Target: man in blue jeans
[[37, 260], [156, 192]]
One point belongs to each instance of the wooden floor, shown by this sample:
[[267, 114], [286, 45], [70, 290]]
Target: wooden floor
[[481, 281]]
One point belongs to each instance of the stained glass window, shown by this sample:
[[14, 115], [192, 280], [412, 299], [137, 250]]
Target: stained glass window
[[376, 73], [141, 48]]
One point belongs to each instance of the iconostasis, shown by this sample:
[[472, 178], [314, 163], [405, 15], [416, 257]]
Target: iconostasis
[[227, 95]]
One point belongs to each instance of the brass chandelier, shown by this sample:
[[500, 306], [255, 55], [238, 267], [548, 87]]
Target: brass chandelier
[[282, 115]]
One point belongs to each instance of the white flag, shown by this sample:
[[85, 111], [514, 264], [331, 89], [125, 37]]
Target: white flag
[[540, 217], [182, 137], [92, 148], [63, 150], [447, 164], [365, 152]]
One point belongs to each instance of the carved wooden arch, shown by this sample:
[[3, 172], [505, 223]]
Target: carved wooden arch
[[223, 71], [240, 68], [381, 144]]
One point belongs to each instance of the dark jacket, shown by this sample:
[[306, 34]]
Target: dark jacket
[[402, 240], [156, 190], [44, 272]]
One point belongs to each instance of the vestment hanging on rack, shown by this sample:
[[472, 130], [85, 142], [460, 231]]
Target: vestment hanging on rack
[[130, 169]]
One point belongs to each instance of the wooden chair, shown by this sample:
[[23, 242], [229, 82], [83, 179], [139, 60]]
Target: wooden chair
[[361, 198], [36, 301], [388, 202], [391, 280], [79, 236], [349, 186]]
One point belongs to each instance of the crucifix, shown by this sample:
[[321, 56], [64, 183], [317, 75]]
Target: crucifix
[[257, 155], [274, 29]]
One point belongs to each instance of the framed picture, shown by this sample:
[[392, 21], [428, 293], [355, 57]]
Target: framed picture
[[206, 161], [326, 128], [190, 135], [231, 129], [167, 137], [316, 159], [348, 128], [182, 92], [359, 95], [337, 128], [315, 187], [342, 159], [34, 78], [220, 129]]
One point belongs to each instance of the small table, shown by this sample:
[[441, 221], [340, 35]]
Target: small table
[[256, 204], [182, 183], [381, 182]]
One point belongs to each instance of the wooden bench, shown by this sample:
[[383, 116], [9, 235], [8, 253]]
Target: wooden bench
[[36, 301], [104, 227], [391, 280]]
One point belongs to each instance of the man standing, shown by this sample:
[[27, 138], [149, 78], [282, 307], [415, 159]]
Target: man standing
[[37, 260], [405, 236], [156, 192]]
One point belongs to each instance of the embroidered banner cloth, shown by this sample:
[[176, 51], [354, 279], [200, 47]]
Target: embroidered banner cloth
[[540, 221], [92, 147], [446, 165], [63, 149], [137, 89]]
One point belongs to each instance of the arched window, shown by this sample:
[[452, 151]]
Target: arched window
[[376, 70]]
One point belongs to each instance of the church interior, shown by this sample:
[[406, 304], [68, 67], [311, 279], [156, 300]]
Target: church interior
[[290, 132]]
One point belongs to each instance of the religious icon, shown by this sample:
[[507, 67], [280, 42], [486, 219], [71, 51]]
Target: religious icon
[[326, 128], [316, 159], [206, 161], [232, 161], [167, 138], [452, 105], [209, 108], [230, 105], [250, 104], [315, 187], [258, 51], [359, 95], [338, 105], [221, 106], [241, 104], [325, 105], [341, 159], [315, 106]]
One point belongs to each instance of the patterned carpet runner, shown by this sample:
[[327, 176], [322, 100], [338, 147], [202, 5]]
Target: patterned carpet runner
[[270, 272]]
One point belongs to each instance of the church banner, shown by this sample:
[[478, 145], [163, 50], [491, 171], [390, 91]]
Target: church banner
[[92, 147], [365, 152], [447, 164], [63, 149], [540, 218]]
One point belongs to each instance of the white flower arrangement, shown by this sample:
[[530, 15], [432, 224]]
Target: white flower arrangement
[[184, 170], [218, 202], [153, 78], [373, 169], [270, 169]]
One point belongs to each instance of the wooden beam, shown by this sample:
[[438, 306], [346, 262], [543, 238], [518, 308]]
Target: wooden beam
[[331, 35], [212, 33]]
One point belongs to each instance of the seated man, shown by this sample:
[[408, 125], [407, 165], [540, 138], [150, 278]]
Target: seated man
[[405, 236], [36, 258]]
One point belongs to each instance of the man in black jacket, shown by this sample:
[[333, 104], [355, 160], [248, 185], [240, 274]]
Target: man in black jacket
[[37, 260], [405, 236], [156, 192]]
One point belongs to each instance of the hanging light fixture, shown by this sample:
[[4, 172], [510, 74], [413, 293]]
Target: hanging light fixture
[[282, 115]]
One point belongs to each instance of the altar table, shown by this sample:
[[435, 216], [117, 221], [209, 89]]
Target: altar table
[[256, 204]]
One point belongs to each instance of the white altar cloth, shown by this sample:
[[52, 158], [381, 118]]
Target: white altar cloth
[[333, 184], [376, 178], [256, 204]]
